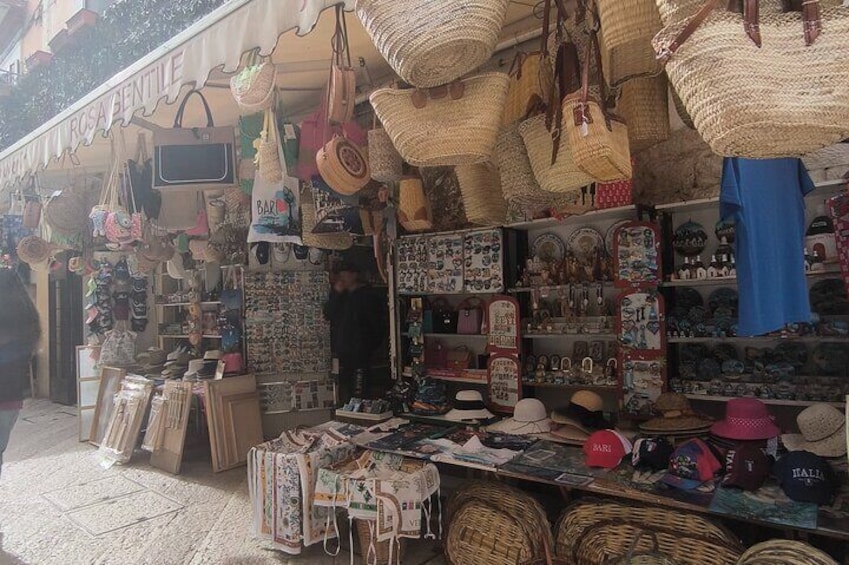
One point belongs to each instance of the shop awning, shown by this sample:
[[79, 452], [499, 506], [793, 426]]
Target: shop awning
[[216, 41]]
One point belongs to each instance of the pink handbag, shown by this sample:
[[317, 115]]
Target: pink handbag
[[233, 363], [470, 316]]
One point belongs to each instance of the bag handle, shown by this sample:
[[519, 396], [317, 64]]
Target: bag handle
[[811, 19], [339, 40], [178, 119], [455, 90], [695, 22]]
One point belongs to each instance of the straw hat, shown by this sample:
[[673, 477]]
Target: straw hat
[[33, 250], [529, 417], [823, 430]]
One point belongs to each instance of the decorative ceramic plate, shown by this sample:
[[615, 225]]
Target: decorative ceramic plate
[[723, 298], [687, 297], [549, 248], [831, 358], [689, 239], [608, 236], [828, 297], [726, 229], [585, 242]]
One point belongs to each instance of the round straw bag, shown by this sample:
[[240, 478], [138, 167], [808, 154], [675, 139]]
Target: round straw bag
[[330, 241], [627, 28], [414, 211], [66, 213], [518, 183], [432, 42], [343, 166], [384, 161], [785, 551], [481, 191], [253, 86], [452, 126], [644, 105], [781, 99], [563, 176], [33, 250]]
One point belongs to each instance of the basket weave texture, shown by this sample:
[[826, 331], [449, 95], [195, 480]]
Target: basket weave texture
[[563, 176], [445, 131], [482, 534], [375, 552], [780, 100], [627, 27], [330, 241], [644, 105], [785, 552], [445, 40], [481, 191], [385, 163]]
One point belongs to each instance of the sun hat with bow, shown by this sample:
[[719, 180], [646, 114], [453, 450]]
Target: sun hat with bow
[[823, 430], [529, 417], [468, 405]]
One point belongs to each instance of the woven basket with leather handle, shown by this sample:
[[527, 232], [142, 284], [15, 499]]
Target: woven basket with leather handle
[[330, 241], [644, 105], [481, 191], [627, 28], [563, 176]]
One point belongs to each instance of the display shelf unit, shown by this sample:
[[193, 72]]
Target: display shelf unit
[[576, 219], [555, 288], [831, 271], [182, 304], [449, 336], [178, 336], [591, 337], [770, 401], [595, 388], [764, 340]]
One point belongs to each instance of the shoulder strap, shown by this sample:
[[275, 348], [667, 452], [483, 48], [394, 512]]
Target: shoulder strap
[[688, 30]]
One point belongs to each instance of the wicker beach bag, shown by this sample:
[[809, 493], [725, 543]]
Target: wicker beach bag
[[563, 176], [33, 250], [481, 191], [452, 125], [433, 42], [779, 92], [253, 87], [267, 158], [414, 209], [644, 105], [385, 163], [627, 28]]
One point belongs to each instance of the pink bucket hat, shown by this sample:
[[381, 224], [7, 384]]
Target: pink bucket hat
[[746, 419]]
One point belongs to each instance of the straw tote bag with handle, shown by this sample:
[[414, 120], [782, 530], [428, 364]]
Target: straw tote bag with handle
[[433, 42], [253, 87], [384, 161], [627, 28], [597, 137], [456, 124], [761, 84], [644, 105]]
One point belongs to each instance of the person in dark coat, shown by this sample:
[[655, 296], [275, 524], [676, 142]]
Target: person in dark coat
[[19, 335], [358, 326]]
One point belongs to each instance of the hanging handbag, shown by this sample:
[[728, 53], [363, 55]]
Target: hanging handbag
[[253, 87], [342, 166], [342, 87], [436, 355], [267, 158], [444, 317], [32, 214], [118, 349], [470, 316], [460, 358], [597, 138], [194, 158]]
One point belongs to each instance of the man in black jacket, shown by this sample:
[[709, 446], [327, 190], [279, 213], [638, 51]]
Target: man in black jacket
[[358, 326]]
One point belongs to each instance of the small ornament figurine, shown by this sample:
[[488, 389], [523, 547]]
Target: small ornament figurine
[[817, 262], [725, 271], [699, 268], [732, 267], [684, 271], [714, 268]]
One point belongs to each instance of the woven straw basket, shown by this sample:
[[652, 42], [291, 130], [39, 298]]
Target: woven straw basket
[[329, 241], [482, 534], [414, 210], [518, 183], [530, 84], [672, 12], [481, 191], [375, 552], [445, 40], [253, 87], [612, 539], [627, 28], [384, 161], [33, 250], [563, 176], [66, 214], [445, 131], [644, 105], [782, 99], [785, 552], [600, 151]]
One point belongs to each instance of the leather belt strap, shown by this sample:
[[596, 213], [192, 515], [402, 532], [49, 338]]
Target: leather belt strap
[[811, 20], [751, 20]]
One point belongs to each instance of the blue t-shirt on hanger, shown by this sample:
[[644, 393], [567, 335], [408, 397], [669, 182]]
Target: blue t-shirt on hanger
[[765, 197]]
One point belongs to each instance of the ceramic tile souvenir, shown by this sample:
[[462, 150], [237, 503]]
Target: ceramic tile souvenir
[[483, 263], [689, 239], [643, 380], [641, 320], [445, 264], [504, 384], [637, 254]]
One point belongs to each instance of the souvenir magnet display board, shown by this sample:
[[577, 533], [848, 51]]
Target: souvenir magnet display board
[[640, 320], [503, 316], [838, 208], [483, 266], [451, 264], [643, 380], [504, 382], [636, 254]]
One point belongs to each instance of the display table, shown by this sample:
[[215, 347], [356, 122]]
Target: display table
[[831, 522]]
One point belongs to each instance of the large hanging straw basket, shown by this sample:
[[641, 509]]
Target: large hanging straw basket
[[600, 146], [67, 213], [414, 210], [679, 10], [785, 552], [627, 28], [530, 84], [330, 241], [518, 183], [644, 105], [481, 190], [479, 533], [563, 176], [384, 161], [446, 131], [432, 42], [778, 100], [253, 87]]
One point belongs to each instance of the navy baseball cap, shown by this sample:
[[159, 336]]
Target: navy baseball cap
[[806, 477], [652, 453]]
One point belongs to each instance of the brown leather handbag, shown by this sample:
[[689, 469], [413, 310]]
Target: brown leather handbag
[[342, 88]]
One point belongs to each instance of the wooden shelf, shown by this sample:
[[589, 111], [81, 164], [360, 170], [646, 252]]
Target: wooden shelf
[[597, 388], [708, 203], [455, 336], [721, 281], [771, 401], [176, 304], [761, 339], [175, 336], [609, 337], [607, 213], [556, 287]]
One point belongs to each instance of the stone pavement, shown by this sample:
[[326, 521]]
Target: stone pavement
[[58, 506]]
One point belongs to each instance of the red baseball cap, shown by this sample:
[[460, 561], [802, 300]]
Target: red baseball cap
[[606, 448]]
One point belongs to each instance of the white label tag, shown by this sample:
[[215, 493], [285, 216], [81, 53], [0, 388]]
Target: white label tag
[[56, 194], [585, 129], [289, 131]]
